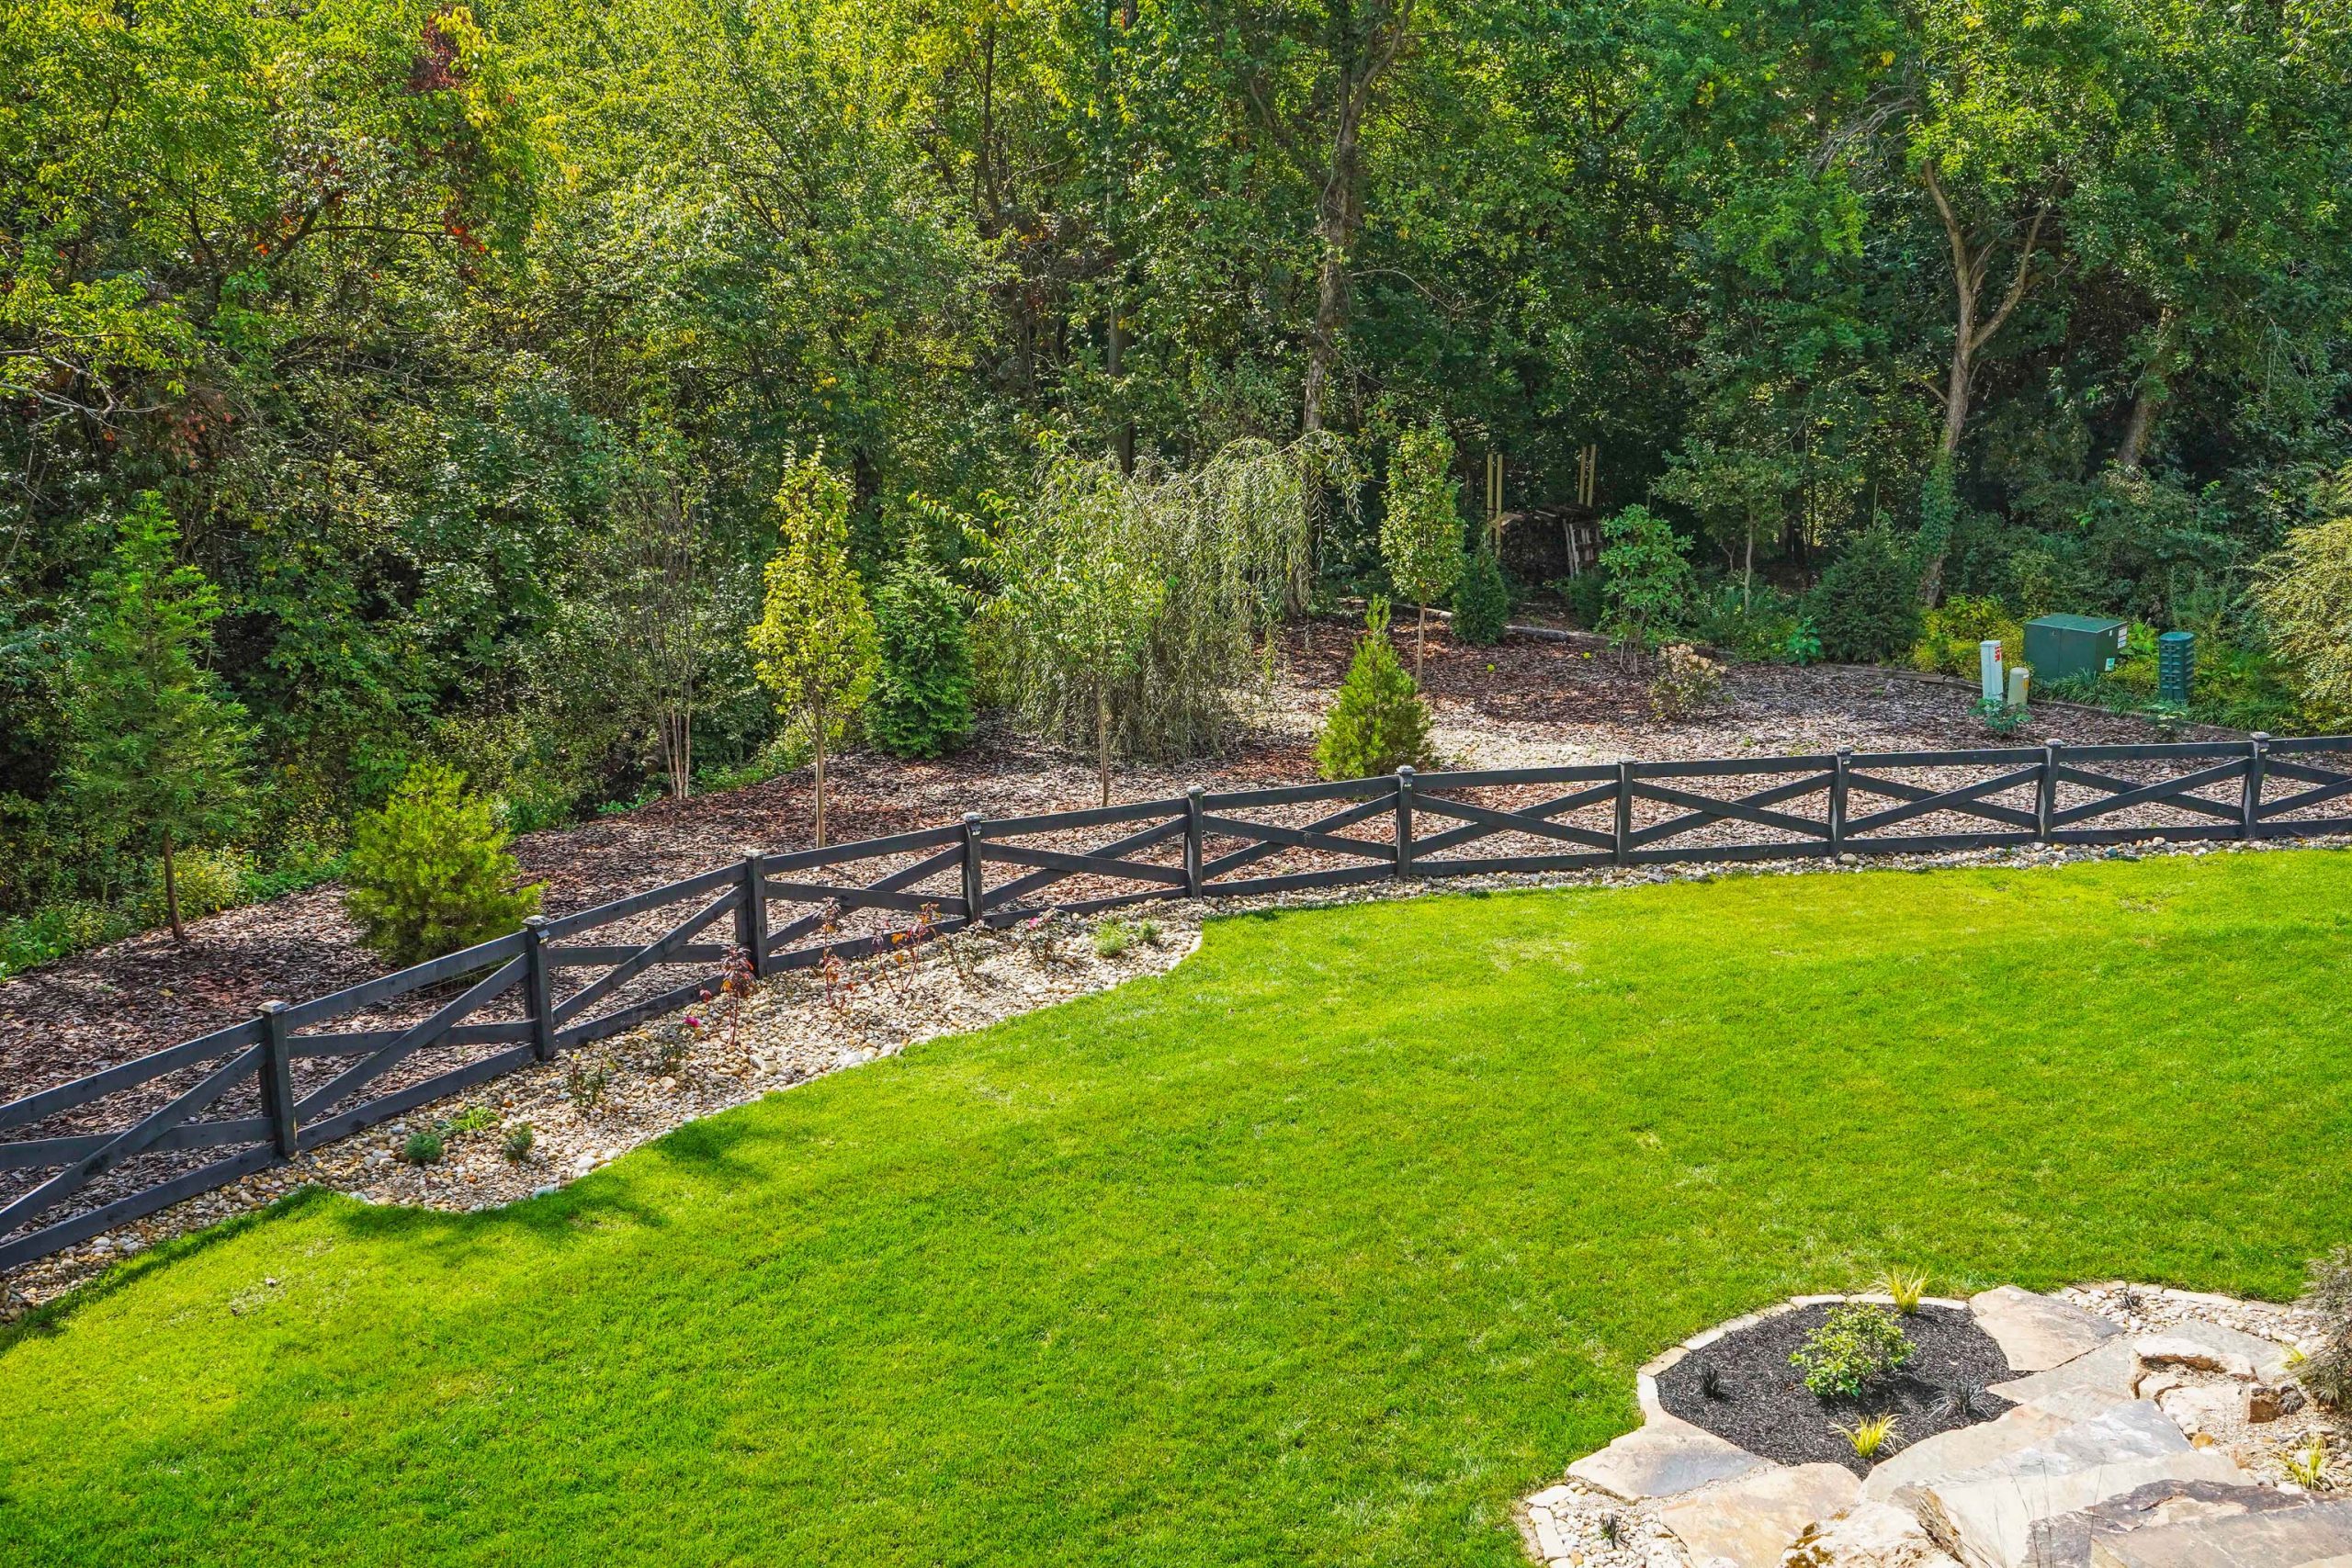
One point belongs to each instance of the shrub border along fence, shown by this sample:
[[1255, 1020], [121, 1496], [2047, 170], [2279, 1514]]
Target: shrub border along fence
[[263, 1049]]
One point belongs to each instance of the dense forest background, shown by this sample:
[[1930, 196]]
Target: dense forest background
[[463, 351]]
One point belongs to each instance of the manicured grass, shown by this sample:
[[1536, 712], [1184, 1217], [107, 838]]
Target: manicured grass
[[1321, 1249]]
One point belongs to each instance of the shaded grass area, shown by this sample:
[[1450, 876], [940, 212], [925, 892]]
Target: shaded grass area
[[1321, 1249]]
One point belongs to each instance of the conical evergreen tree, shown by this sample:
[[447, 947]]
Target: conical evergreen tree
[[1379, 723]]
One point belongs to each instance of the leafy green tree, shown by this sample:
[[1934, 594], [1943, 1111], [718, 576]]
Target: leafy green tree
[[2304, 589], [430, 872], [1420, 530], [1649, 592], [1481, 601], [923, 700], [156, 748], [1379, 722], [1081, 588], [815, 640]]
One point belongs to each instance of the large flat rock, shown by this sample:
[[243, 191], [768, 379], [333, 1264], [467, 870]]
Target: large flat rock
[[1665, 1458], [2267, 1357], [1750, 1522], [1967, 1447], [2303, 1538], [1989, 1523], [2112, 1368], [2065, 1542], [2037, 1333]]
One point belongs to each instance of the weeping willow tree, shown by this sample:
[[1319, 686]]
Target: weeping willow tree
[[1207, 561]]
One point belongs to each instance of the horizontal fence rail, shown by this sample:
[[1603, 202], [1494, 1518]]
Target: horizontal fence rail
[[83, 1157]]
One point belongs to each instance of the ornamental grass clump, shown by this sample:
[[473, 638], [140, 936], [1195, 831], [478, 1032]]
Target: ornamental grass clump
[[2325, 1370], [1855, 1346], [429, 874], [1379, 723]]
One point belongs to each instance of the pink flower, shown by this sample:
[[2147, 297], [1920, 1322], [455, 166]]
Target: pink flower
[[693, 1022]]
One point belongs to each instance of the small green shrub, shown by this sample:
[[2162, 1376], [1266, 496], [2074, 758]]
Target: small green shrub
[[1855, 1345], [1115, 937], [1761, 626], [1870, 1435], [472, 1119], [518, 1143], [209, 880], [1866, 606], [1481, 602], [1949, 635], [1999, 718], [1585, 595], [422, 1148], [921, 705], [1379, 723], [430, 874], [1908, 1290]]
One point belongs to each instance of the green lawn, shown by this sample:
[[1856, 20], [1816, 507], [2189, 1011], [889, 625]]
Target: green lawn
[[1321, 1249]]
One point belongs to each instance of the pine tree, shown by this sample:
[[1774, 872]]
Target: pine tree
[[1481, 601], [156, 747], [815, 641], [922, 701], [430, 872], [1379, 723], [1420, 529]]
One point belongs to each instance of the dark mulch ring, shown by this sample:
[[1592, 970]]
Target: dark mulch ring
[[1760, 1401]]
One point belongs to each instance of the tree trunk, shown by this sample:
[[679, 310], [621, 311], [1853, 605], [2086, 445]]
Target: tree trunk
[[1102, 739], [819, 710], [1747, 568], [1339, 206], [1420, 643], [172, 889], [1968, 265]]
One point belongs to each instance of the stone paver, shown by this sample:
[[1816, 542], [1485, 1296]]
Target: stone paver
[[1966, 1447], [2154, 1351], [2112, 1367], [1750, 1522], [1665, 1458], [2035, 1332], [1991, 1520], [2267, 1357], [2301, 1539]]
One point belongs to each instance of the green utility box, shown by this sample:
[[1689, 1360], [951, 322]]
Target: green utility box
[[2060, 647]]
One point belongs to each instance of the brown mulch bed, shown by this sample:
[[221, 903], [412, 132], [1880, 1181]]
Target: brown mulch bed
[[1524, 703]]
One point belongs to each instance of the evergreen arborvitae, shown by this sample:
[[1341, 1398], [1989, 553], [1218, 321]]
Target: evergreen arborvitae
[[921, 705], [1481, 602], [430, 874], [1866, 608], [1379, 723], [156, 747]]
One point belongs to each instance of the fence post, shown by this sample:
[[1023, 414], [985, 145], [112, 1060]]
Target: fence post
[[2256, 764], [1625, 812], [752, 915], [2045, 796], [972, 890], [1839, 767], [1404, 822], [541, 995], [1193, 842], [277, 1079]]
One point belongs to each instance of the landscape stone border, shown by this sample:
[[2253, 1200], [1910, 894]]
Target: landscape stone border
[[2139, 1408]]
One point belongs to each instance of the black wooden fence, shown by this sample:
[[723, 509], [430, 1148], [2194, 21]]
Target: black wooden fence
[[127, 1141]]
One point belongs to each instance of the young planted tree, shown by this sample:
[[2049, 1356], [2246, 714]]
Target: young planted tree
[[815, 642], [1420, 533], [430, 872], [155, 747], [1649, 587], [922, 701], [1379, 722], [1081, 591]]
